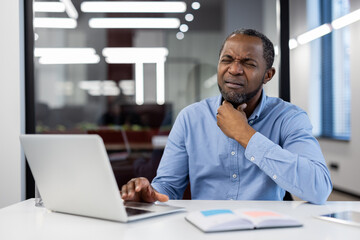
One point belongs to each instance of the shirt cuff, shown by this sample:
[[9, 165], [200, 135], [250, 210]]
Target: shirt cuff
[[257, 147]]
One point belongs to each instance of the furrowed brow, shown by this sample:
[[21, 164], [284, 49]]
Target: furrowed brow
[[249, 60], [227, 56]]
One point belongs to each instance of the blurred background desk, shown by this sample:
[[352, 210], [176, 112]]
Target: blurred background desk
[[133, 153], [25, 221], [121, 139]]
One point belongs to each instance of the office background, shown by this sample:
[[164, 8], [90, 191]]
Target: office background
[[340, 154]]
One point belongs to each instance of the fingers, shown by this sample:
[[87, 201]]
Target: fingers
[[135, 185], [242, 107], [153, 196], [161, 197], [138, 189], [141, 183], [127, 190], [226, 103]]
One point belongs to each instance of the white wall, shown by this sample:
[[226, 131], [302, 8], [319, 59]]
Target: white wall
[[345, 154], [11, 102]]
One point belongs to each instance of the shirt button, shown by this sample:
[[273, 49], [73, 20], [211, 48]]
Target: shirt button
[[233, 153], [252, 158], [274, 177], [234, 175]]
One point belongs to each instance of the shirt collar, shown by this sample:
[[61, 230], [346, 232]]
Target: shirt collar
[[255, 115]]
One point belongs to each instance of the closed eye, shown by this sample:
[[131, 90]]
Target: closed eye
[[226, 60], [250, 62]]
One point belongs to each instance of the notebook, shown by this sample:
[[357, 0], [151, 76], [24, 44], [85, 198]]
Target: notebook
[[74, 175], [216, 220]]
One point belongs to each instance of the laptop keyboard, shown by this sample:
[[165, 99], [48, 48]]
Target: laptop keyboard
[[134, 211]]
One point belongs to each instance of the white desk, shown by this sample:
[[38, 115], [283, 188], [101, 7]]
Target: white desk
[[25, 221]]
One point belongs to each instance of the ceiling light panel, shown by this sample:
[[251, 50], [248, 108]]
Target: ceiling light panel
[[67, 55], [346, 20], [40, 52], [134, 7], [44, 22], [314, 33], [70, 9], [48, 7], [135, 55], [91, 59], [130, 23]]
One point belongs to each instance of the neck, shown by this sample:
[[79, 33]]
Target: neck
[[252, 103]]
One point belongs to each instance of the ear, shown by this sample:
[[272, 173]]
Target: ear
[[269, 75]]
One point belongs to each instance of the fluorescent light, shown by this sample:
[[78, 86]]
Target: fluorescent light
[[276, 50], [99, 88], [134, 22], [70, 9], [195, 5], [292, 43], [105, 92], [139, 83], [40, 52], [346, 19], [91, 59], [67, 55], [135, 55], [96, 84], [180, 35], [44, 22], [314, 33], [184, 28], [135, 50], [127, 87], [139, 56], [134, 7], [189, 17], [133, 59], [160, 83], [48, 7]]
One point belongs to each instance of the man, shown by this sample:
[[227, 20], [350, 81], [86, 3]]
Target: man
[[240, 145]]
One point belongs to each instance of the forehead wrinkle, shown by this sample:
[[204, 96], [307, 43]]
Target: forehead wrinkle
[[235, 56], [236, 48]]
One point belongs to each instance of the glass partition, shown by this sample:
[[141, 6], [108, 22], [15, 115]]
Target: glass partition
[[124, 69]]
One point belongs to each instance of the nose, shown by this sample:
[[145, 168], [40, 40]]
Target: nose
[[236, 68]]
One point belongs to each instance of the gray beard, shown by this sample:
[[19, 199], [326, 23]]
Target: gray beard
[[237, 99]]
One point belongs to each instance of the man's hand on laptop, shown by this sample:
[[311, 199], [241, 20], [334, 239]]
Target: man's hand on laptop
[[140, 190]]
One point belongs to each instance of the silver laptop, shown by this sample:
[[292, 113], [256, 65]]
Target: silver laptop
[[74, 175]]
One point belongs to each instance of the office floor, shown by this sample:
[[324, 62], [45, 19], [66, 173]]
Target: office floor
[[338, 196]]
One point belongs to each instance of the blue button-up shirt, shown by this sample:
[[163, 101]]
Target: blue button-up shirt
[[281, 155]]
